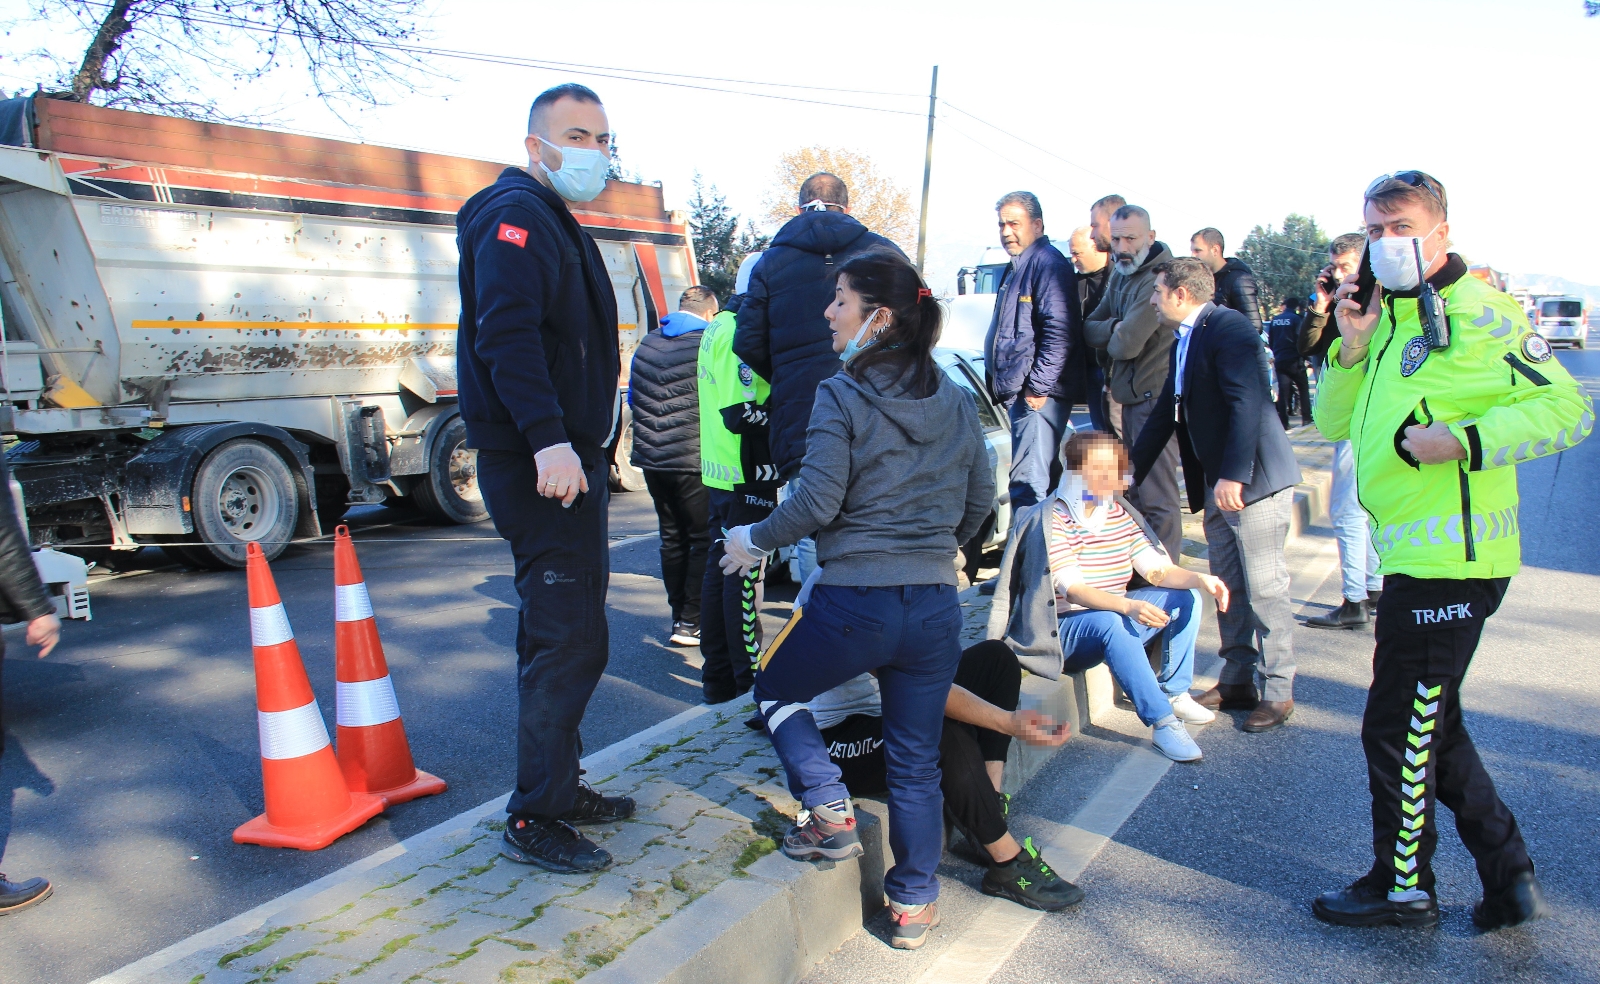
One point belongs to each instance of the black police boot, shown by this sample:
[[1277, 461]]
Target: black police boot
[[1366, 903], [552, 845], [1349, 615], [20, 895], [592, 807], [1522, 902]]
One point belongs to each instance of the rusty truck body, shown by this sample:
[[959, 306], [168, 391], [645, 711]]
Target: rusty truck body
[[222, 334]]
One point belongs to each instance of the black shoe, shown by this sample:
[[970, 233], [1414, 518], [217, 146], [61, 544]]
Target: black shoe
[[592, 807], [1522, 902], [1372, 602], [1028, 881], [552, 845], [20, 895], [987, 587], [756, 722], [1367, 903], [1349, 615], [685, 634]]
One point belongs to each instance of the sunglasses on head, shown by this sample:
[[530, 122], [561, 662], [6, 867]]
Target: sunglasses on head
[[1413, 179]]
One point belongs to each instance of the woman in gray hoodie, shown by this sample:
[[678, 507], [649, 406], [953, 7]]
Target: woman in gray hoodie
[[895, 476]]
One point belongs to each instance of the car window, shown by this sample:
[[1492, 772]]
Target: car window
[[963, 378]]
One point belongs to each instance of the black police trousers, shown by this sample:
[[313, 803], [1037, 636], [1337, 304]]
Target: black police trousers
[[563, 566], [730, 624], [1418, 750]]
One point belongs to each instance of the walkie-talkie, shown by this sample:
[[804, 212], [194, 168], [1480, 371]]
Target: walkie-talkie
[[1430, 307]]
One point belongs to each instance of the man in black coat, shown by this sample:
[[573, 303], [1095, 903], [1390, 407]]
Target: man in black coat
[[1094, 270], [782, 334], [1239, 467], [537, 364], [1033, 369], [22, 599], [1236, 283], [664, 394], [1283, 336]]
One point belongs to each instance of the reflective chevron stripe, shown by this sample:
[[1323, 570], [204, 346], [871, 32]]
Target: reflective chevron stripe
[[293, 733], [1414, 794], [748, 616]]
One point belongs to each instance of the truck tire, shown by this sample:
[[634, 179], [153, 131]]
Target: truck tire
[[449, 491], [624, 476], [243, 493]]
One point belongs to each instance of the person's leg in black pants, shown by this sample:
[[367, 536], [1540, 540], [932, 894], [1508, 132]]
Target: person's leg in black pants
[[683, 516], [1302, 385], [730, 625], [971, 757], [563, 566]]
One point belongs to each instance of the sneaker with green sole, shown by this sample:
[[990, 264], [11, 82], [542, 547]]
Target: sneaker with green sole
[[1027, 880]]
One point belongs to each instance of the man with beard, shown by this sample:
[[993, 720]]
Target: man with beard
[[1128, 330], [1094, 269]]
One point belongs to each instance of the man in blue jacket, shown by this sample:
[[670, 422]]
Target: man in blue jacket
[[538, 363], [1035, 370]]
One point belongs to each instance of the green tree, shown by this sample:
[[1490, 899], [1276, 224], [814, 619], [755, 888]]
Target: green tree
[[719, 244], [1285, 261]]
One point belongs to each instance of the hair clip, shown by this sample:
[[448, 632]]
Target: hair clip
[[923, 292]]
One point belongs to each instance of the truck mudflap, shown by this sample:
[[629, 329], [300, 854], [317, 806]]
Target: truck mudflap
[[155, 492], [413, 448]]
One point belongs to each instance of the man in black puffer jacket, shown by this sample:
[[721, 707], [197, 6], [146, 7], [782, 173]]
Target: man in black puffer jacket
[[1236, 283], [664, 395], [782, 334]]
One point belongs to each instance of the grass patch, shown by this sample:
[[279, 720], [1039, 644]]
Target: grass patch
[[480, 869], [285, 965], [497, 826], [753, 852], [607, 779], [388, 950], [771, 823], [464, 848], [401, 880], [253, 948], [681, 885], [655, 753]]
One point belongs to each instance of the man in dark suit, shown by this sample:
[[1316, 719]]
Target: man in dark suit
[[1239, 466]]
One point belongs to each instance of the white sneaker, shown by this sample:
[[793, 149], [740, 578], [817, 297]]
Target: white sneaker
[[1173, 740], [1189, 712]]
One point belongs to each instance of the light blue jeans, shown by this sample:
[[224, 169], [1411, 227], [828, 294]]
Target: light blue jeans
[[1089, 638], [1358, 559]]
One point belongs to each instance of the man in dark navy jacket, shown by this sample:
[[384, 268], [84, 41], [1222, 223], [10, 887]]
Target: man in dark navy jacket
[[1035, 371], [1239, 466], [537, 364]]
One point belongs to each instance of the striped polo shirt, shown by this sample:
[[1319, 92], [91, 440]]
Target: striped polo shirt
[[1103, 558]]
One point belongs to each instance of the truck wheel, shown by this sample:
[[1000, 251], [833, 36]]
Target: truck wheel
[[243, 493], [624, 476], [449, 491]]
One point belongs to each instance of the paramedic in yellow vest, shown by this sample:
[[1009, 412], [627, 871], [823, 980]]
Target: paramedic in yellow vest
[[1438, 415]]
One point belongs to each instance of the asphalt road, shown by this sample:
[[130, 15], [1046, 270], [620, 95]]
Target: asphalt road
[[1210, 878], [132, 750]]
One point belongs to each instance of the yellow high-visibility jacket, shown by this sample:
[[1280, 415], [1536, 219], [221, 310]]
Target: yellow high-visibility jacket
[[1503, 397]]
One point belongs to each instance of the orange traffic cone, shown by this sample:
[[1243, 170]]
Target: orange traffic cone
[[373, 751], [308, 805]]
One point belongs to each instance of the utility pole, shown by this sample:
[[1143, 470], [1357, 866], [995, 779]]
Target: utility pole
[[927, 172]]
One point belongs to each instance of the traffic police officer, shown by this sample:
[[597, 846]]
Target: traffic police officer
[[1438, 415], [537, 364]]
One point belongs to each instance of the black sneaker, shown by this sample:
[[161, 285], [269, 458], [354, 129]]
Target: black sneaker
[[1027, 880], [1522, 902], [20, 895], [552, 845], [685, 634], [824, 833], [1367, 903], [592, 807], [1349, 615]]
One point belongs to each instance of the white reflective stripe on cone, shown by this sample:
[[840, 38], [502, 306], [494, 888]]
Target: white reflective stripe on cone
[[350, 602], [369, 702], [269, 626], [291, 734]]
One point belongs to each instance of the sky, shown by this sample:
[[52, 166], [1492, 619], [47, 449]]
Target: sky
[[1231, 113]]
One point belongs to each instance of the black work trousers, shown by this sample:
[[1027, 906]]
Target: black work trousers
[[730, 621], [991, 672], [1292, 381], [684, 518], [563, 566], [1418, 750]]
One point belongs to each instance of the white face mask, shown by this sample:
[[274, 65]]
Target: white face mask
[[583, 172], [1394, 260]]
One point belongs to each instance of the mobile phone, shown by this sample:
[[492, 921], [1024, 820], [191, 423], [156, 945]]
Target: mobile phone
[[577, 501], [1366, 280]]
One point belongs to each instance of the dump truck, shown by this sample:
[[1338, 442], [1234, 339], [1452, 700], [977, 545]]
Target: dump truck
[[217, 335]]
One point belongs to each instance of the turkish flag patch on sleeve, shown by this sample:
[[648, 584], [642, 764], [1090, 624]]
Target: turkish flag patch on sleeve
[[511, 234]]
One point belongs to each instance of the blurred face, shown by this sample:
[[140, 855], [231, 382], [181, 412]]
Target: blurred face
[[1100, 228], [1173, 305], [1206, 253], [1017, 230], [1102, 474], [1131, 239], [568, 123], [1086, 257], [849, 312], [1412, 222]]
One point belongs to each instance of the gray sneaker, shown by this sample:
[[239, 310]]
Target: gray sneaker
[[825, 832], [911, 925]]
